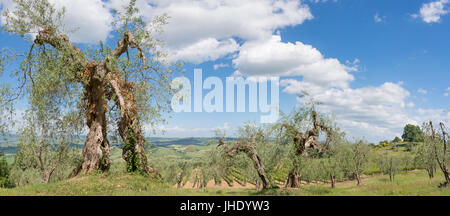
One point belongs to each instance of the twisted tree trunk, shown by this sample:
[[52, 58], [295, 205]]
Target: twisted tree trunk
[[129, 126], [96, 149], [249, 148], [303, 141], [293, 180], [95, 78]]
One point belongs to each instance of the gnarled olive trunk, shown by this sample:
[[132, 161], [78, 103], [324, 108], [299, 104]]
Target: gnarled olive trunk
[[292, 181], [249, 148], [129, 127], [96, 149], [259, 166], [96, 79], [303, 141]]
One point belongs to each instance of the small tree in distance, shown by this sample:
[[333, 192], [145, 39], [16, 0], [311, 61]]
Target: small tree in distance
[[356, 158], [412, 133], [397, 140]]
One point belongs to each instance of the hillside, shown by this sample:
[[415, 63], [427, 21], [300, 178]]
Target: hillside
[[116, 182], [179, 148], [414, 183]]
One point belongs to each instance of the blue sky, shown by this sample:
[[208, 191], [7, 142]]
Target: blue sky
[[376, 65]]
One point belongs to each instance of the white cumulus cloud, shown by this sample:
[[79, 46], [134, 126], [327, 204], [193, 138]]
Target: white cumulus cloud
[[193, 23], [276, 58], [209, 49], [433, 11]]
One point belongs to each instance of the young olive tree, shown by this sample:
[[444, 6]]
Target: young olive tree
[[177, 173], [389, 165], [45, 141], [333, 164], [131, 81], [355, 158], [438, 141], [424, 157], [407, 162]]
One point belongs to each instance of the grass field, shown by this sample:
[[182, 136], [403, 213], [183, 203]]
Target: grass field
[[414, 183], [116, 182]]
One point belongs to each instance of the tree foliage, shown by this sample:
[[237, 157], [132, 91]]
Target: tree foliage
[[116, 88], [355, 158], [4, 172], [412, 133], [389, 165]]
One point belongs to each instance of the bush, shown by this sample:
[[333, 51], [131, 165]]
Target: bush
[[4, 172]]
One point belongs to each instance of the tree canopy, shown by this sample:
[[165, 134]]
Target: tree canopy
[[412, 133], [115, 89]]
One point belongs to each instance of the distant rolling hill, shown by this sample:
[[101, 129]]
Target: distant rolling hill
[[8, 143]]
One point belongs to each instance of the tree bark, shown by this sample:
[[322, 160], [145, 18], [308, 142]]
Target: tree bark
[[442, 163], [249, 148], [129, 126], [358, 179], [293, 180], [95, 78], [257, 185], [309, 139], [333, 181], [430, 172], [96, 149]]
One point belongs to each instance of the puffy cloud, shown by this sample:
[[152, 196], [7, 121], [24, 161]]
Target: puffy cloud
[[90, 18], [253, 19], [192, 24], [195, 23], [432, 12], [373, 112], [435, 115], [276, 58], [206, 50]]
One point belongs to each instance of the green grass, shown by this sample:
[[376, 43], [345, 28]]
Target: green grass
[[112, 185], [116, 183], [414, 183]]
